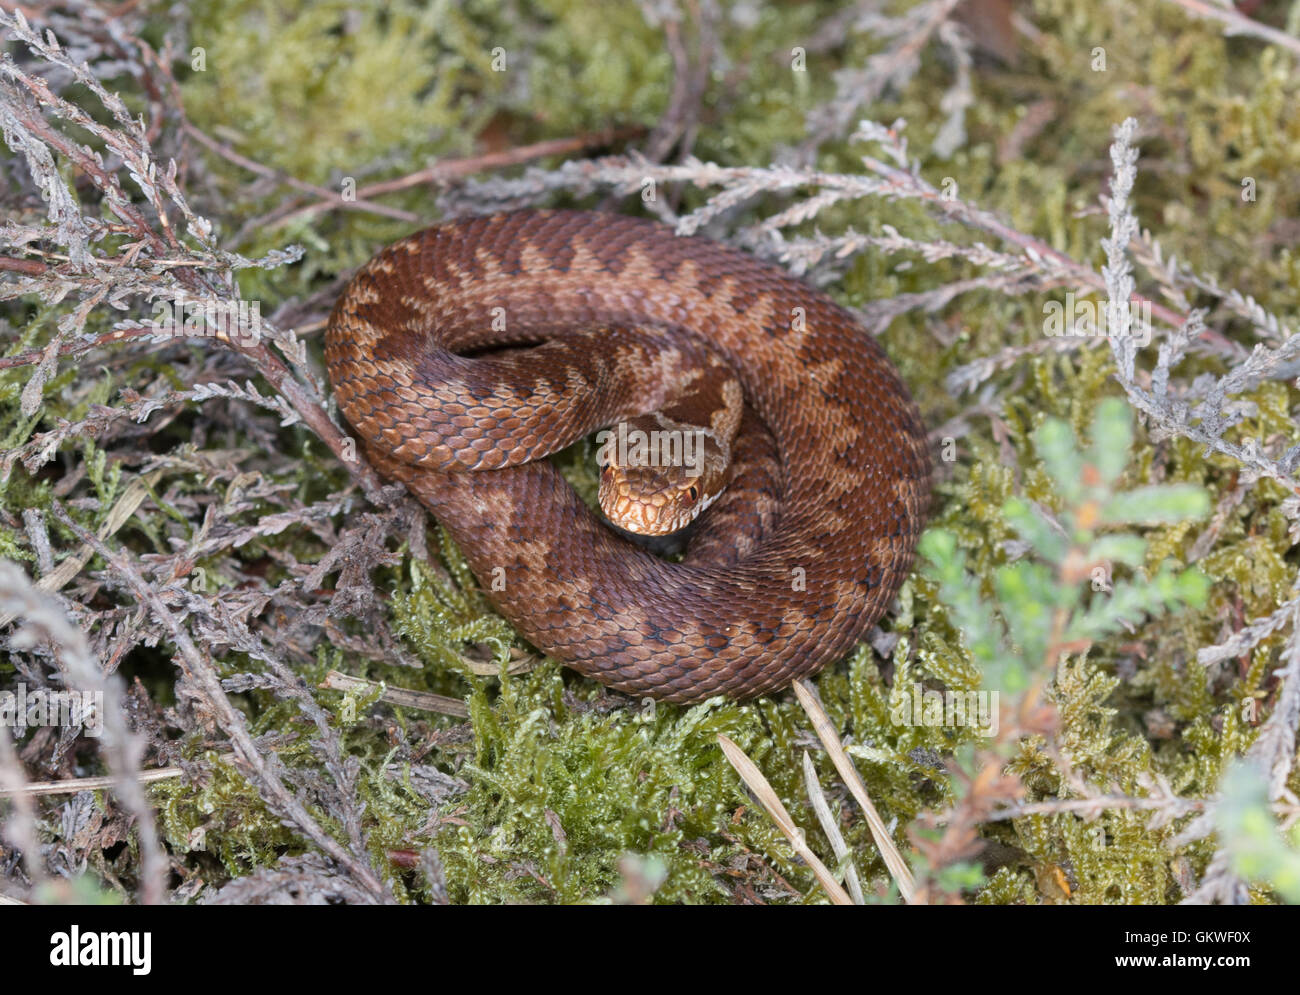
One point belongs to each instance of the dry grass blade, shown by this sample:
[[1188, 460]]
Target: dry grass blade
[[72, 785], [831, 740], [832, 831], [520, 663], [767, 797], [405, 697]]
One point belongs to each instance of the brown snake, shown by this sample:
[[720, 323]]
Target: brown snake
[[804, 551]]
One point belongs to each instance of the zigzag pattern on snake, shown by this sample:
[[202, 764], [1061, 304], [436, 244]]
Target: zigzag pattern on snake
[[807, 547]]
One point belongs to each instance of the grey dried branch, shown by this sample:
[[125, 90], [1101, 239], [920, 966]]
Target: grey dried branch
[[266, 772], [1274, 747], [1238, 24], [691, 72], [305, 880], [19, 829], [893, 67], [41, 617], [1249, 636]]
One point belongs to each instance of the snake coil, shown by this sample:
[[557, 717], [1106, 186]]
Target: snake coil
[[596, 315]]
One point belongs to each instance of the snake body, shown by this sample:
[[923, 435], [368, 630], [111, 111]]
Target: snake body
[[596, 318]]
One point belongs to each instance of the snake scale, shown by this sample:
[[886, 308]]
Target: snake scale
[[464, 354]]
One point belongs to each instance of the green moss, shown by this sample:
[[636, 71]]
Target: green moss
[[222, 820]]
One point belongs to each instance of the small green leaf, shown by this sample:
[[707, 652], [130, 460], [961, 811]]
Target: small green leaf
[[1112, 435], [1060, 455], [1162, 504], [938, 546], [1046, 541], [1249, 833], [1127, 549], [1193, 587], [1026, 592]]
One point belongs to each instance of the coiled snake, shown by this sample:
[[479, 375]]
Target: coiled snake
[[596, 318]]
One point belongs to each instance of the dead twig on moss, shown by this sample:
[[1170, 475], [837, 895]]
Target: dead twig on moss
[[401, 697], [440, 174], [42, 617], [264, 769], [1237, 24], [776, 810], [834, 748]]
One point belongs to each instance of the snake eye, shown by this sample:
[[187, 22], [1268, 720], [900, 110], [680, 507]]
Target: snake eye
[[694, 493]]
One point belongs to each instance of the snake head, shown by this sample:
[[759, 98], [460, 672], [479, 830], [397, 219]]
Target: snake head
[[655, 482]]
